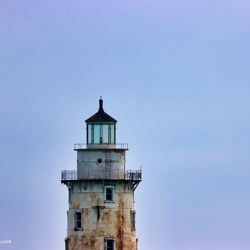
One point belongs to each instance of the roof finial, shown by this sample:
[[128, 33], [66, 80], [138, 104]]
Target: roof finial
[[100, 104]]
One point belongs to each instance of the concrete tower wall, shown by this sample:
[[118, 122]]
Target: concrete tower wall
[[101, 219], [101, 164], [101, 213]]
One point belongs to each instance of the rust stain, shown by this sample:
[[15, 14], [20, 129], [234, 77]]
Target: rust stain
[[93, 198], [89, 242], [120, 225], [113, 220]]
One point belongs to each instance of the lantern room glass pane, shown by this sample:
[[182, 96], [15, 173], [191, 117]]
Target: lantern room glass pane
[[105, 134], [96, 133], [112, 133], [89, 140]]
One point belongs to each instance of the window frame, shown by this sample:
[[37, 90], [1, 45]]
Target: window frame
[[101, 133], [67, 243], [133, 220], [78, 220], [70, 195], [112, 188], [109, 239]]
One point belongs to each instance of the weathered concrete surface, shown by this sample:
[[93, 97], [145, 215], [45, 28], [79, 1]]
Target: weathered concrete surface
[[100, 164], [101, 219]]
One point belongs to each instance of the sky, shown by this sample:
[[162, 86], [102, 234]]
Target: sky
[[174, 74]]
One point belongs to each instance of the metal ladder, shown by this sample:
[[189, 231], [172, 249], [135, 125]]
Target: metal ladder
[[108, 164]]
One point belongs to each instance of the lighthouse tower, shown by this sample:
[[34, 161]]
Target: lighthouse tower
[[101, 214]]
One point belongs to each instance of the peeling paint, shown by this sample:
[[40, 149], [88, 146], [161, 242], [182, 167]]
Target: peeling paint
[[101, 191], [113, 220]]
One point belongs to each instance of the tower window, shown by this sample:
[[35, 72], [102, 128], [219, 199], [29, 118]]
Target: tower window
[[67, 244], [109, 193], [109, 244], [69, 195], [78, 220], [132, 214]]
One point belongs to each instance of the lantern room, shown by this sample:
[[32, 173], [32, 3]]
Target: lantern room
[[101, 129]]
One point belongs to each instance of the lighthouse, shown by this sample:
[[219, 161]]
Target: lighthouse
[[101, 213]]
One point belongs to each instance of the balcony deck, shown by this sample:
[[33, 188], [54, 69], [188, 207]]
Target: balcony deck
[[131, 177], [71, 175]]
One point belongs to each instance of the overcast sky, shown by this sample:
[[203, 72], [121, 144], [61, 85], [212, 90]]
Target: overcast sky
[[174, 74]]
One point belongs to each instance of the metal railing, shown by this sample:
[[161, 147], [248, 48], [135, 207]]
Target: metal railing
[[103, 145], [133, 175], [69, 175]]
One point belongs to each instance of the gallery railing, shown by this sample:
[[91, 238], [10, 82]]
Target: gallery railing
[[69, 175]]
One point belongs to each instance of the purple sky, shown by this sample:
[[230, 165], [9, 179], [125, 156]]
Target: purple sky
[[175, 74]]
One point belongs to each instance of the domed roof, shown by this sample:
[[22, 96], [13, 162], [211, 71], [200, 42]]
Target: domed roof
[[100, 116]]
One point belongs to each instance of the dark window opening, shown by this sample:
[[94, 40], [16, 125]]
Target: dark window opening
[[67, 244], [109, 244], [69, 195], [132, 220], [78, 220], [109, 193]]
